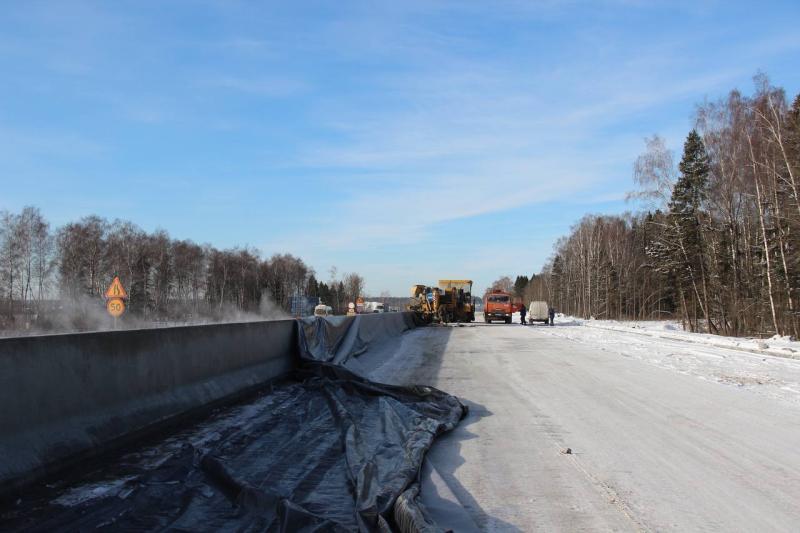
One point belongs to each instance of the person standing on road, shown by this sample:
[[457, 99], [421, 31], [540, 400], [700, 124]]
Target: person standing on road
[[522, 312], [552, 314]]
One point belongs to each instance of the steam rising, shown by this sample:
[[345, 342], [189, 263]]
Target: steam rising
[[84, 313]]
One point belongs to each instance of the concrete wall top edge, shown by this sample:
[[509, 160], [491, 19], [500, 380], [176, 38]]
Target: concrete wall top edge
[[109, 332]]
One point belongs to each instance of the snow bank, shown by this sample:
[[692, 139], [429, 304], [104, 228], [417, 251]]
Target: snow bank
[[769, 367], [779, 346]]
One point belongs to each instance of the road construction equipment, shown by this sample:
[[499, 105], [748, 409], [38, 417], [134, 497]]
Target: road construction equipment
[[451, 301]]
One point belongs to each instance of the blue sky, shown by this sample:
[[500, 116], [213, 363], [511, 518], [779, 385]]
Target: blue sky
[[408, 141]]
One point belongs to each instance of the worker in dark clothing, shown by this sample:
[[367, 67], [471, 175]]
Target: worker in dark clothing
[[522, 312], [552, 313]]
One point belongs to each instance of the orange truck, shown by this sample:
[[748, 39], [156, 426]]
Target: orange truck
[[498, 305]]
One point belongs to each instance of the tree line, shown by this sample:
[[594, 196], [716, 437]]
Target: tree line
[[718, 244], [48, 274]]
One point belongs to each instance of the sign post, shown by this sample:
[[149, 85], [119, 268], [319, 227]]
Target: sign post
[[115, 299]]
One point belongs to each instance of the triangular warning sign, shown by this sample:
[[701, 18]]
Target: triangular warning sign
[[116, 290]]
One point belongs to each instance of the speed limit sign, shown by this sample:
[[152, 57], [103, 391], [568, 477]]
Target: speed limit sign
[[115, 307]]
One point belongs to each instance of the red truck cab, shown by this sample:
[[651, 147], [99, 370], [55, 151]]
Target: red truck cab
[[498, 305]]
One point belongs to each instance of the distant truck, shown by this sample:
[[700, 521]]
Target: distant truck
[[374, 307], [538, 311], [498, 305]]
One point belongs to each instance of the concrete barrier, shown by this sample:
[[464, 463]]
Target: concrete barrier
[[63, 397]]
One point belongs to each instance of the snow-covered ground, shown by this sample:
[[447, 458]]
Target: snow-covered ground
[[666, 329], [768, 367]]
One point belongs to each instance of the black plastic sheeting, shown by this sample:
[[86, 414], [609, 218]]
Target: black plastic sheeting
[[325, 451], [338, 340]]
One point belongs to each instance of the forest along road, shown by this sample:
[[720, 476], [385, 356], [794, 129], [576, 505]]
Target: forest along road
[[654, 447]]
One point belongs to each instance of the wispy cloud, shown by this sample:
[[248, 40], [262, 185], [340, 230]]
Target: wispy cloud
[[484, 133]]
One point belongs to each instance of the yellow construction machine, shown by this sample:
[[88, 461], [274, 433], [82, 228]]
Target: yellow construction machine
[[451, 301]]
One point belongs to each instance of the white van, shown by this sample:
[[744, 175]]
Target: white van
[[538, 312], [373, 307], [323, 310]]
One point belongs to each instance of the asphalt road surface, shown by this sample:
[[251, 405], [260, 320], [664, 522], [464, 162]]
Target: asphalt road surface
[[652, 448]]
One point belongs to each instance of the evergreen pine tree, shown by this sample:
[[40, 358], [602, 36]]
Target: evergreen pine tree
[[690, 193], [312, 286], [686, 213], [691, 189], [793, 130], [520, 284]]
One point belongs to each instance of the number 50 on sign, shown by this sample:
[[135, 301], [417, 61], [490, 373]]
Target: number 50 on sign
[[115, 307]]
